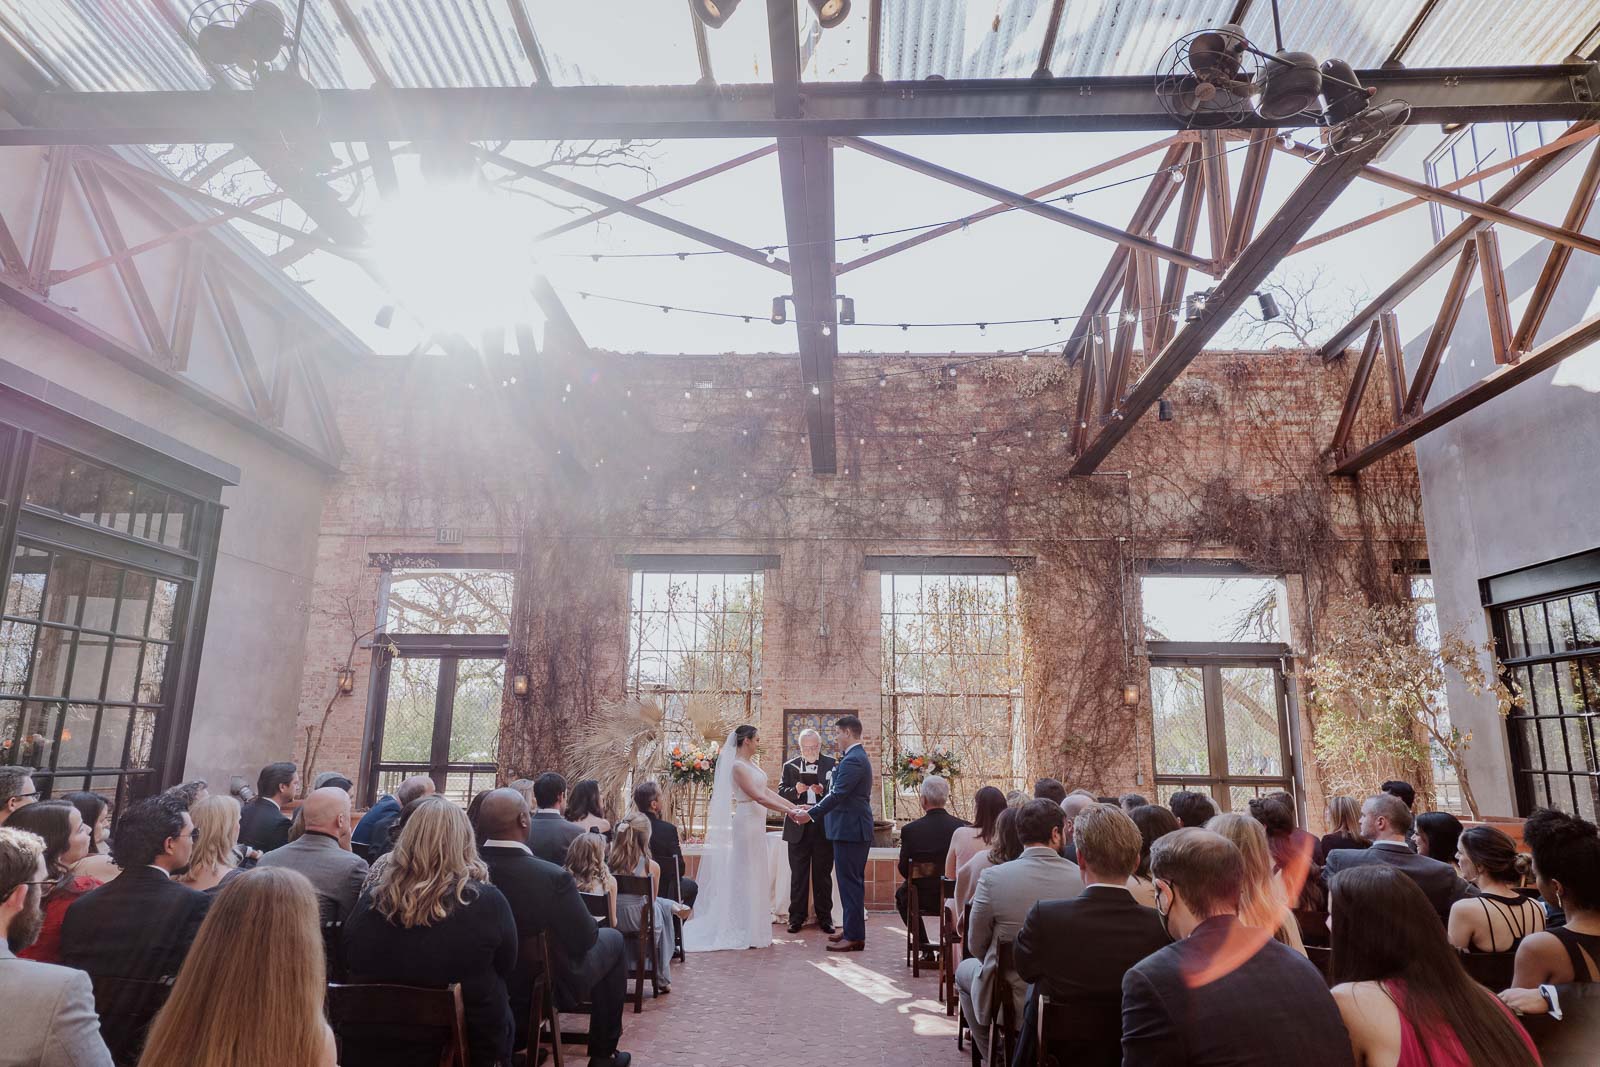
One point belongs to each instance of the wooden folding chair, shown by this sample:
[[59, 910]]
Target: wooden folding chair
[[333, 949], [916, 922], [1322, 958], [1003, 1022], [949, 938], [642, 962], [373, 1020], [599, 906], [533, 953], [126, 1007]]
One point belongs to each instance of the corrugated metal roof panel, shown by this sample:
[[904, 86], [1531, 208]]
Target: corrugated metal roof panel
[[104, 47], [1361, 34], [445, 43], [1490, 32], [1125, 36], [954, 39]]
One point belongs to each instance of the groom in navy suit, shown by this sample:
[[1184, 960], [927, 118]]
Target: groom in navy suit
[[847, 817]]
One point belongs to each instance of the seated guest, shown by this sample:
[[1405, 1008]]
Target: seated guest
[[215, 861], [1566, 865], [1400, 987], [1015, 798], [1292, 848], [1222, 994], [191, 793], [323, 853], [394, 830], [1003, 899], [927, 839], [1407, 795], [1261, 900], [1007, 847], [141, 925], [264, 923], [96, 811], [66, 841], [262, 823], [1075, 804], [1049, 789], [968, 841], [1344, 817], [665, 848], [1437, 835], [1192, 809], [550, 833], [1154, 822], [370, 839], [588, 962], [630, 855], [473, 806], [1499, 917], [1107, 931], [433, 919], [586, 862], [16, 790], [1129, 801], [1385, 820], [332, 779], [583, 807], [49, 1011]]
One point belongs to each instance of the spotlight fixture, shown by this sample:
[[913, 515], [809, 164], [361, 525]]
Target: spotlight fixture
[[347, 680], [1342, 92], [1194, 305], [1164, 410], [779, 315], [1269, 306], [385, 317], [831, 12], [847, 311], [1290, 83], [714, 12]]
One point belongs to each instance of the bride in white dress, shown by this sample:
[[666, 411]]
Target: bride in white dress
[[734, 909]]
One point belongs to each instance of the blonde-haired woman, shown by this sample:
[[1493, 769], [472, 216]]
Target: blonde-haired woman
[[586, 862], [1261, 904], [214, 863], [274, 912], [630, 855], [1344, 826], [433, 919]]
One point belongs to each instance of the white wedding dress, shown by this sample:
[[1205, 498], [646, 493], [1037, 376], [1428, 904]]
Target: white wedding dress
[[734, 909]]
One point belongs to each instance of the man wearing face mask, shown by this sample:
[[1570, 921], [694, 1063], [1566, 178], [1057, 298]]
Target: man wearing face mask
[[49, 1010], [1222, 993]]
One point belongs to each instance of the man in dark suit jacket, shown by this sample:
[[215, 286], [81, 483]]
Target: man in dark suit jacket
[[1385, 819], [1223, 994], [846, 816], [805, 779], [589, 963], [549, 832], [262, 823], [665, 848], [927, 838], [370, 839], [1076, 951], [140, 924]]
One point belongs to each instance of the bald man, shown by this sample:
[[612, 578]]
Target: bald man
[[588, 962], [323, 853]]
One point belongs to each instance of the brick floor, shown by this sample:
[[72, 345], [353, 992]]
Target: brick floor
[[794, 1005]]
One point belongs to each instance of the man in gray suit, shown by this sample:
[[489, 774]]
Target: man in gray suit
[[323, 853], [549, 832], [1385, 821], [1002, 900], [49, 1010]]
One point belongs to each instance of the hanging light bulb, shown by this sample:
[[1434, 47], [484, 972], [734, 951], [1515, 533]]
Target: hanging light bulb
[[827, 331], [749, 394], [772, 255], [1176, 173], [816, 390]]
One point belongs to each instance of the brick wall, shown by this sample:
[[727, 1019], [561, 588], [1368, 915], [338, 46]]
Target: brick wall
[[438, 443]]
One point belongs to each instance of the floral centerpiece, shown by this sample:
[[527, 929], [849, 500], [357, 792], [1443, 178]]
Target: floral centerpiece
[[693, 764], [910, 768]]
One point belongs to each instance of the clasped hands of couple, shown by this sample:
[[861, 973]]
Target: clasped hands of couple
[[801, 813]]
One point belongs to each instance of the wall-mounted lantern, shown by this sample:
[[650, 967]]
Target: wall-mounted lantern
[[1130, 695], [519, 685]]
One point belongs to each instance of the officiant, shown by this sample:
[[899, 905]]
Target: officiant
[[806, 779]]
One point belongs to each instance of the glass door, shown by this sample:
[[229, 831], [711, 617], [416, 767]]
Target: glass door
[[439, 715], [1221, 728]]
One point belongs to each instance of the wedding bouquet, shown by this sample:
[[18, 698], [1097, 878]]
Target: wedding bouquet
[[692, 764], [910, 768]]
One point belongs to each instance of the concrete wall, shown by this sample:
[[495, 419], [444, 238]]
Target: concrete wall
[[1517, 481], [250, 670]]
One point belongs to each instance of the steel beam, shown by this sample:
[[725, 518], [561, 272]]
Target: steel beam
[[1519, 186], [1358, 389], [1495, 299], [1562, 92], [805, 169], [1555, 265], [1538, 361], [1299, 211], [1443, 327], [1024, 203]]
